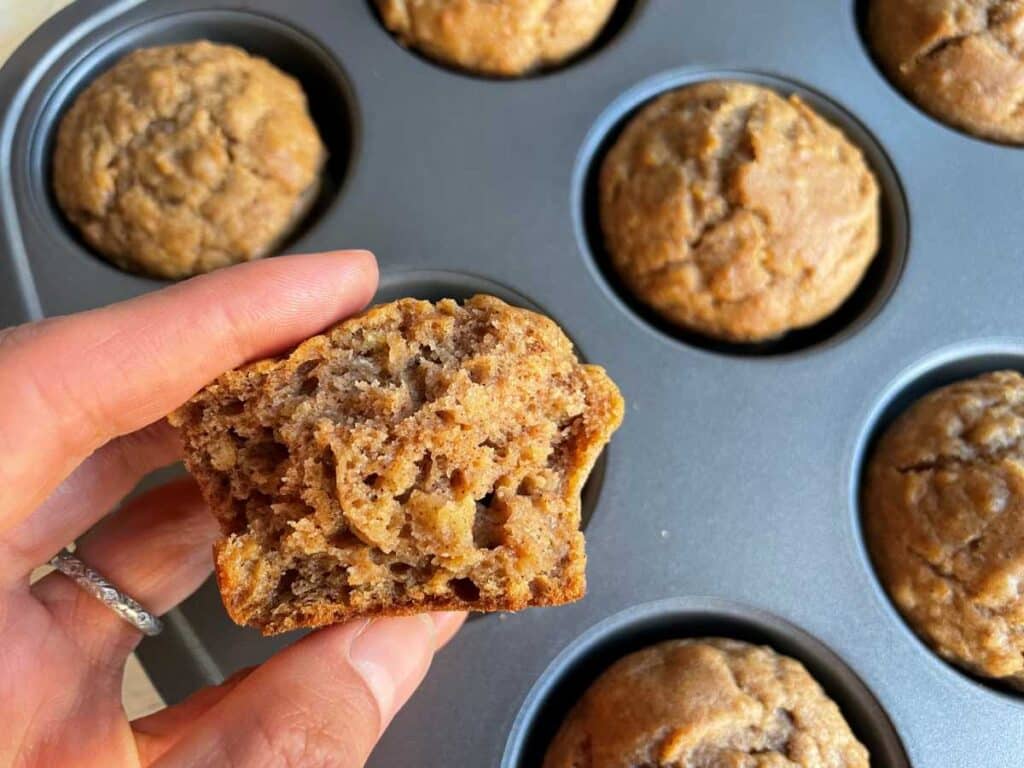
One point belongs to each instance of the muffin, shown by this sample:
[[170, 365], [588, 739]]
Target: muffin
[[960, 60], [705, 703], [417, 457], [944, 520], [737, 214], [506, 39], [184, 158]]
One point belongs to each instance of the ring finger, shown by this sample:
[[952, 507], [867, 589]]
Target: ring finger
[[157, 548]]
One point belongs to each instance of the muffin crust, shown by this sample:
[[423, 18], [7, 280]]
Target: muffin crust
[[944, 519], [506, 39], [705, 703], [737, 214], [184, 158], [960, 60], [417, 457]]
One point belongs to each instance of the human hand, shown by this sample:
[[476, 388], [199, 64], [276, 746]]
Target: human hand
[[82, 400]]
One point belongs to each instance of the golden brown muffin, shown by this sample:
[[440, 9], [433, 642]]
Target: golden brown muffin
[[960, 60], [944, 519], [416, 457], [506, 38], [737, 214], [706, 703], [184, 158]]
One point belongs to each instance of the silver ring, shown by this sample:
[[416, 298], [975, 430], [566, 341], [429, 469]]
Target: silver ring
[[97, 586]]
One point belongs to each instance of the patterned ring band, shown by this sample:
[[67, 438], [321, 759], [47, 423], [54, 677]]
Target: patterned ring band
[[97, 586]]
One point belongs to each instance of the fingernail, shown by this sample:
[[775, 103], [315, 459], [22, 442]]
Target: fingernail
[[391, 655]]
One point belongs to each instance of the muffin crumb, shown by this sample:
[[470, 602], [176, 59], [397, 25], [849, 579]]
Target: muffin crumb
[[416, 457]]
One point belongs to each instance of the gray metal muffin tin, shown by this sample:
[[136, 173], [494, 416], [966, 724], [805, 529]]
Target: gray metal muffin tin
[[727, 503]]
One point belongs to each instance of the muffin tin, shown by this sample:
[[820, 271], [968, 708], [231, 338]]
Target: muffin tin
[[736, 472]]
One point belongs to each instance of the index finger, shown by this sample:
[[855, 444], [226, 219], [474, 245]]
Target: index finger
[[70, 384]]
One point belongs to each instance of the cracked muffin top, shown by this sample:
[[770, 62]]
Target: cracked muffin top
[[184, 158], [944, 519], [506, 39], [960, 60], [706, 703], [736, 213]]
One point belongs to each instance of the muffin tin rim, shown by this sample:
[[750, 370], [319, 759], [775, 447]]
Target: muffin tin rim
[[630, 100]]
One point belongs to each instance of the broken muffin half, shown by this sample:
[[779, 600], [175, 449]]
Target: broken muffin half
[[416, 457]]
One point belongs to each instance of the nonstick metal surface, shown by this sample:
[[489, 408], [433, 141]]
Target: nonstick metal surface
[[728, 501]]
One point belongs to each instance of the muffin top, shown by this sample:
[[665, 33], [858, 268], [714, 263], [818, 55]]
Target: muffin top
[[737, 214], [184, 158], [507, 38], [960, 60], [705, 703], [944, 518]]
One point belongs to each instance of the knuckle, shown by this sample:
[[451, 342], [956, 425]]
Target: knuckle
[[133, 454], [235, 323], [29, 373], [16, 338], [105, 641], [16, 335]]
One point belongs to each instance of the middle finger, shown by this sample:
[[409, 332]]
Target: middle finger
[[93, 489]]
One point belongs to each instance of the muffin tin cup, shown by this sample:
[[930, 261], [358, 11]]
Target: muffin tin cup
[[619, 19], [734, 473], [857, 310], [329, 96], [861, 9], [937, 370], [578, 666]]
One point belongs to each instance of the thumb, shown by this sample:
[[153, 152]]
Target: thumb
[[322, 702]]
